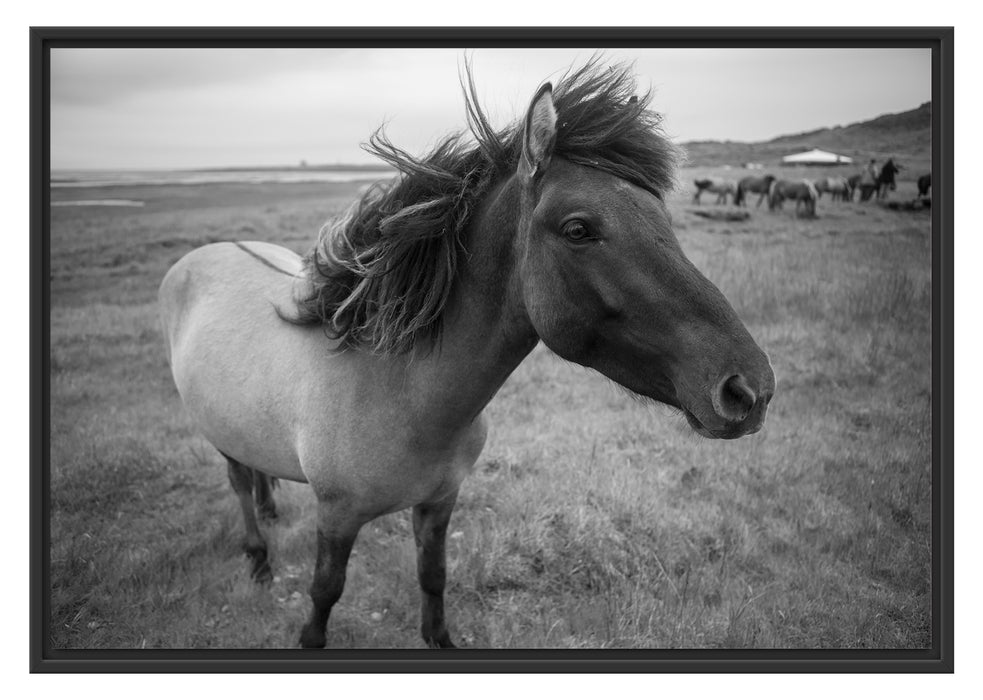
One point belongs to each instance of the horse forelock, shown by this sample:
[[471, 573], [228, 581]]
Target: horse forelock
[[381, 274], [603, 123]]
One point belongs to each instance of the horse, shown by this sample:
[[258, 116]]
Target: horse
[[364, 367], [885, 180], [836, 185], [716, 185], [853, 182], [924, 185], [752, 183], [802, 191]]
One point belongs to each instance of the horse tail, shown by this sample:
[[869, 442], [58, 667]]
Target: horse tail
[[739, 194]]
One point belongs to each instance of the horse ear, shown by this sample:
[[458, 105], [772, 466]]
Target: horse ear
[[539, 134]]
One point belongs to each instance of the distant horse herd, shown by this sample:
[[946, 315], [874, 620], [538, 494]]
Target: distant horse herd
[[804, 192]]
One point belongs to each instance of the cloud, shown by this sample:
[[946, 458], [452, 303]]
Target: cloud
[[199, 107], [107, 76]]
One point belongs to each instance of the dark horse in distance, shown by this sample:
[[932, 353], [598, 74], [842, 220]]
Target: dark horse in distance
[[751, 183], [886, 178], [924, 185]]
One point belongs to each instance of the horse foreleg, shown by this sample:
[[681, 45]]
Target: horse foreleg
[[430, 530], [761, 199], [241, 477], [336, 533]]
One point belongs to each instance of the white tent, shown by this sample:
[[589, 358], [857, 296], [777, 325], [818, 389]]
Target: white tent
[[816, 157]]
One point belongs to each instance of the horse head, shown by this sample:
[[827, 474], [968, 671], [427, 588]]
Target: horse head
[[605, 284]]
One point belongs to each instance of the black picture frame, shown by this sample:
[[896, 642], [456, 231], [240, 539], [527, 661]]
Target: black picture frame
[[937, 659]]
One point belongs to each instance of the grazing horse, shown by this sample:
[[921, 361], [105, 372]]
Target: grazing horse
[[716, 185], [836, 185], [885, 180], [802, 191], [924, 185], [752, 183], [364, 368]]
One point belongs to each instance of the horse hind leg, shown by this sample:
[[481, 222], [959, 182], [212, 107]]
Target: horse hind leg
[[430, 531], [242, 479], [263, 486]]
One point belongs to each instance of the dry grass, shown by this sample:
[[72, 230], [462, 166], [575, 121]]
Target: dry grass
[[591, 520]]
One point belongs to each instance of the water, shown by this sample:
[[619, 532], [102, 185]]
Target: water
[[99, 203], [123, 178]]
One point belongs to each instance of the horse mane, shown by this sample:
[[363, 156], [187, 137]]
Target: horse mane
[[379, 276]]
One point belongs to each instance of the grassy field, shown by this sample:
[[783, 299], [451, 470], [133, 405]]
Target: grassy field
[[591, 521]]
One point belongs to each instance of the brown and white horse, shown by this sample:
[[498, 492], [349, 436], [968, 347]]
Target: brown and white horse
[[753, 183], [802, 191], [837, 185], [364, 367], [716, 185]]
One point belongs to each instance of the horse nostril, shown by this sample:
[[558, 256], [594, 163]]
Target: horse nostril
[[734, 398]]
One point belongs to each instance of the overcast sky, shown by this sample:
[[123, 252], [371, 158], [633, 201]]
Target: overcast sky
[[174, 108]]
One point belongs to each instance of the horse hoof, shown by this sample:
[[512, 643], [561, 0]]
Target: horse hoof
[[442, 641], [263, 576], [312, 639], [262, 573]]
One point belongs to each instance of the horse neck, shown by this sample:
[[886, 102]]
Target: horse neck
[[486, 331]]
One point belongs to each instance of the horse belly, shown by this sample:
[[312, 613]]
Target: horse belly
[[240, 422], [381, 467]]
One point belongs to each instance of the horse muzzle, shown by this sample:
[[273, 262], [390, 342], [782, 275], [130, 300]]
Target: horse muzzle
[[738, 406]]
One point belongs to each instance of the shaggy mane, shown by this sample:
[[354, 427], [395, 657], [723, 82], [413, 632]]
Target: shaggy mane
[[381, 274]]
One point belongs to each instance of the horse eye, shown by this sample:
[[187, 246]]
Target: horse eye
[[576, 231]]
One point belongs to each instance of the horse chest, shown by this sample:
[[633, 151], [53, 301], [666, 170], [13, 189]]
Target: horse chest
[[395, 469]]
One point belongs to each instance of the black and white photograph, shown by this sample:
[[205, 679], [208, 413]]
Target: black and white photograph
[[580, 348]]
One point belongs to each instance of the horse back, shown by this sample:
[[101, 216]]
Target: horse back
[[287, 400], [222, 282]]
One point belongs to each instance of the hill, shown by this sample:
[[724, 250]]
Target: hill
[[905, 135]]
